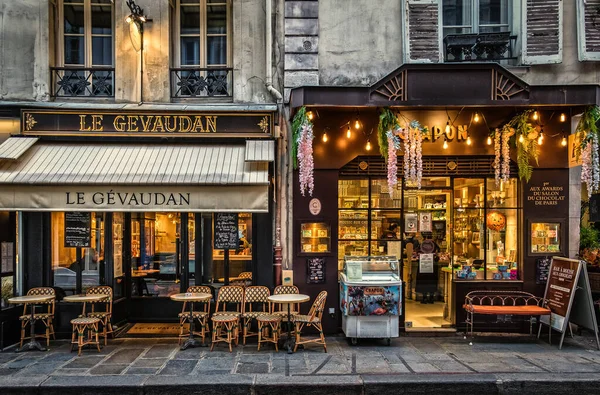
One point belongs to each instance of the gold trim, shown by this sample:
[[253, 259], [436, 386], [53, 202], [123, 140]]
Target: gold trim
[[29, 121], [264, 124]]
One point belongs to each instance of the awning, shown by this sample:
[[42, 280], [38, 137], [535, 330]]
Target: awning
[[260, 151], [133, 177], [14, 147]]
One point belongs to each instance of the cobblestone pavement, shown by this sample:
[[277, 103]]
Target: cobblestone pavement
[[132, 361]]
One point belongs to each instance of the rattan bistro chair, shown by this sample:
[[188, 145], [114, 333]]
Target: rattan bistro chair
[[199, 315], [47, 317], [230, 304], [256, 303], [106, 315], [312, 319]]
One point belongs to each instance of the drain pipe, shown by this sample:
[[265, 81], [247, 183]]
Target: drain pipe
[[269, 44]]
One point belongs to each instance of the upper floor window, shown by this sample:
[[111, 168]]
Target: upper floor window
[[85, 48], [202, 48], [476, 16]]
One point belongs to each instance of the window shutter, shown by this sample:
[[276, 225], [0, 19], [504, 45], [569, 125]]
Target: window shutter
[[588, 29], [422, 31], [542, 31]]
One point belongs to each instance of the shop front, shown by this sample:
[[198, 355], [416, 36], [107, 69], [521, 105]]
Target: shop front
[[461, 229], [129, 200]]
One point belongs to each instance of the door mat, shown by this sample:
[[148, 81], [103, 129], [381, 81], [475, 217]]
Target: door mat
[[153, 329]]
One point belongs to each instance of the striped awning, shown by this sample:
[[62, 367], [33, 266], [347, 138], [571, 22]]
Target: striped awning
[[14, 147], [260, 150], [134, 177]]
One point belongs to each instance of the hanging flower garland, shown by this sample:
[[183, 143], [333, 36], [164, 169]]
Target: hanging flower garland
[[497, 158], [413, 158], [302, 150], [389, 144], [587, 150]]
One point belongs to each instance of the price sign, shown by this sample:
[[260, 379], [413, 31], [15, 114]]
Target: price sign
[[78, 229], [226, 231]]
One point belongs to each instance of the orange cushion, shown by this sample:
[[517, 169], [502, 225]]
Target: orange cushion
[[514, 310]]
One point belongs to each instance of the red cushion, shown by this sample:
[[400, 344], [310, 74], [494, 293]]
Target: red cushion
[[514, 310]]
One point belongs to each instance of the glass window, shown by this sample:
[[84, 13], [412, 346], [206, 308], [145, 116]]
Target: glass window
[[475, 16], [503, 195], [240, 260], [353, 194]]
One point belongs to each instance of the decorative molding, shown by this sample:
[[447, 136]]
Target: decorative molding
[[264, 124], [504, 88], [29, 122], [395, 88]]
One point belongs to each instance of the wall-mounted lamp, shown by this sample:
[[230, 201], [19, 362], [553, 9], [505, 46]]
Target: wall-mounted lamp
[[137, 15], [521, 138]]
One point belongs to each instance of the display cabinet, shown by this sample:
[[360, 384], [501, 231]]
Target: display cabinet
[[545, 238], [315, 238]]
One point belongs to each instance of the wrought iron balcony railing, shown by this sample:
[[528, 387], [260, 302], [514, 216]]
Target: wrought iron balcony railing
[[482, 47], [83, 81], [189, 82]]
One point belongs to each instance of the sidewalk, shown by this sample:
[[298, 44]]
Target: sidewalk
[[493, 364]]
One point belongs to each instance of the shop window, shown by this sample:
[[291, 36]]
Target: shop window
[[85, 48], [69, 262], [315, 238], [202, 33], [240, 260], [546, 238]]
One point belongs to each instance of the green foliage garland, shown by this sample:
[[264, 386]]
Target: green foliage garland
[[387, 121], [586, 128], [299, 119], [527, 150]]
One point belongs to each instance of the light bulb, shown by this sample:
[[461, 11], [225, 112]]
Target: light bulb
[[310, 115], [542, 134], [445, 146], [563, 142], [476, 117], [368, 147], [357, 124], [468, 140], [349, 132], [489, 140], [563, 117], [142, 18], [521, 139], [128, 19], [540, 139], [535, 116], [447, 130], [325, 138]]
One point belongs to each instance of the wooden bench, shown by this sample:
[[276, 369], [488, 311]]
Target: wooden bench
[[504, 303]]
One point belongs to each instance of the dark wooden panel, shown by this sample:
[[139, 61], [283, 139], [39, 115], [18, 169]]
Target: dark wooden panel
[[543, 27]]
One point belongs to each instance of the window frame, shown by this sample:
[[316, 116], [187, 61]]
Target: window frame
[[475, 22]]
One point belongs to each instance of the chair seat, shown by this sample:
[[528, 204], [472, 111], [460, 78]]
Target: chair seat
[[84, 321], [305, 318], [235, 314], [195, 314], [224, 318], [253, 314], [284, 313], [268, 318], [98, 314], [38, 316]]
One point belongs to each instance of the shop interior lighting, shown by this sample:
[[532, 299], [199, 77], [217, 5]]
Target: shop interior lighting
[[563, 117]]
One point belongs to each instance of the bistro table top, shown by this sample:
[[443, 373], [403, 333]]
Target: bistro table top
[[222, 279], [289, 298], [191, 297], [30, 299], [84, 298]]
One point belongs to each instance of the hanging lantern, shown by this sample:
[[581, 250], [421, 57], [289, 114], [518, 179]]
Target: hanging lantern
[[496, 220]]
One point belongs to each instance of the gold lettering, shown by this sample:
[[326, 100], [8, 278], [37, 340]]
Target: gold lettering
[[97, 123], [187, 123], [170, 128], [119, 123], [197, 127], [146, 124], [82, 124], [438, 133], [463, 132], [211, 124], [132, 123], [452, 133], [158, 124]]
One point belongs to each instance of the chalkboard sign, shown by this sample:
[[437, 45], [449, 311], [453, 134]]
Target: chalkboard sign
[[315, 270], [226, 231], [78, 229], [542, 267]]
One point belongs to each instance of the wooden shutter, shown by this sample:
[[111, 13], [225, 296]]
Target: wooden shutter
[[422, 31], [542, 31], [588, 29]]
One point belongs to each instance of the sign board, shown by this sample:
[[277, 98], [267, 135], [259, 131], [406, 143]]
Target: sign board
[[425, 263], [226, 231], [569, 298], [410, 223], [425, 221], [315, 271], [78, 229], [542, 268]]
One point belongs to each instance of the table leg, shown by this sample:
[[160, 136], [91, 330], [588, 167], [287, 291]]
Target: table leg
[[190, 341], [289, 323], [33, 344]]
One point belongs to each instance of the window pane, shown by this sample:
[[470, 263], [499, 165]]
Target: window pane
[[190, 20], [493, 12], [502, 241], [74, 19], [503, 195], [353, 193], [385, 227], [74, 47], [457, 13], [190, 51], [216, 50], [216, 19], [381, 197], [7, 291], [353, 225], [101, 20], [102, 51]]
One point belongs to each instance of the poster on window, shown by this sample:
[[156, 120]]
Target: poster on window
[[410, 223], [118, 258], [425, 221]]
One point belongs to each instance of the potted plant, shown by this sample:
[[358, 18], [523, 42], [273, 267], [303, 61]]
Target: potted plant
[[589, 251]]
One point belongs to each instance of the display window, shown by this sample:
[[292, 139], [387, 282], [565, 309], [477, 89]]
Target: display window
[[240, 260]]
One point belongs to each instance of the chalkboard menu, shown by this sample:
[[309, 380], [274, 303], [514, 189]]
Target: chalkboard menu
[[78, 229], [226, 231], [315, 270], [542, 267]]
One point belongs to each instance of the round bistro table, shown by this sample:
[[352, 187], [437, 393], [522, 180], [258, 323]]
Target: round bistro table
[[191, 297], [289, 299], [33, 300], [84, 299]]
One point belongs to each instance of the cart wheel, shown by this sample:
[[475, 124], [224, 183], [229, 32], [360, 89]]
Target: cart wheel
[[354, 341], [388, 341]]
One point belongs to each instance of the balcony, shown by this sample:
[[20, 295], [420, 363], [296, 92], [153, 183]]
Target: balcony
[[197, 82], [482, 47], [82, 81]]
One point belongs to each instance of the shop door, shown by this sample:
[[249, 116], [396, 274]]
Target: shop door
[[426, 232]]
